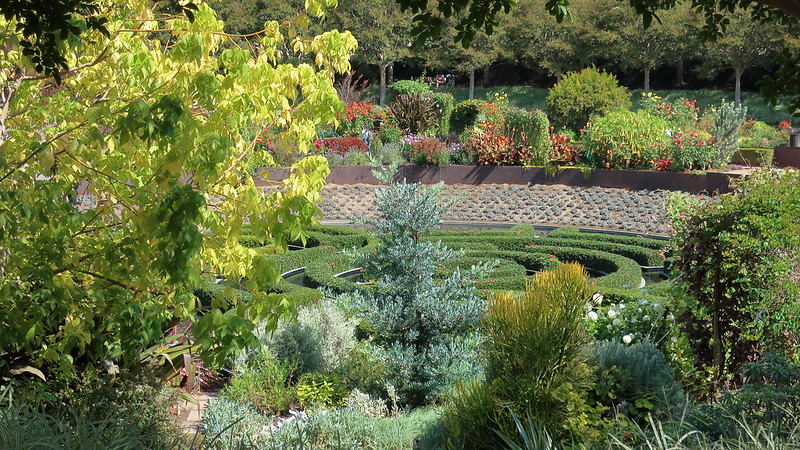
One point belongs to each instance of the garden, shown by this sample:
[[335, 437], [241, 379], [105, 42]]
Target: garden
[[409, 335], [144, 263], [588, 122]]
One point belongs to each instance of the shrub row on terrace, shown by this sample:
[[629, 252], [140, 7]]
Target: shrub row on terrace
[[643, 256]]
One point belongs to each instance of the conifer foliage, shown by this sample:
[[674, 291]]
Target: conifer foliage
[[427, 328]]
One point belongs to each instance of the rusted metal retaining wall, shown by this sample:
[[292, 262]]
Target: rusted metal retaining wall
[[473, 175]]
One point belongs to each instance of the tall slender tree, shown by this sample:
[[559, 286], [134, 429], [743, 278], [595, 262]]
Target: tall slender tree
[[745, 43], [382, 30]]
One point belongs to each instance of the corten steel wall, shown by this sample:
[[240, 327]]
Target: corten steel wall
[[473, 175], [787, 156]]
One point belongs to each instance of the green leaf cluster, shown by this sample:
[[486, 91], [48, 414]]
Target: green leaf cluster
[[122, 185], [737, 256], [573, 101]]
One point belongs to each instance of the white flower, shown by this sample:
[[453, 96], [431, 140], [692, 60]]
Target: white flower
[[670, 317], [646, 318], [658, 307], [612, 313], [616, 322], [592, 316], [627, 339], [597, 298]]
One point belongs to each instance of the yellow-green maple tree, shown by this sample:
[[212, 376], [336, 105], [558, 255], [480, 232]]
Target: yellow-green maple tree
[[157, 99]]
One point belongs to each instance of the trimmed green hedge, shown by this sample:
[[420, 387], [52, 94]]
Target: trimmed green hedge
[[517, 251], [643, 256], [641, 241]]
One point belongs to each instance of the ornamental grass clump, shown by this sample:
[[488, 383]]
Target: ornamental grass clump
[[535, 357]]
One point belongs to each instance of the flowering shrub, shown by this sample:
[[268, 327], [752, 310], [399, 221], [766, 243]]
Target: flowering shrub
[[493, 149], [681, 116], [429, 151], [629, 321], [760, 135], [355, 117], [267, 140], [691, 151], [359, 115], [627, 140], [340, 145]]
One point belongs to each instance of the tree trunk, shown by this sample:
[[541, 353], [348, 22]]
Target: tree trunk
[[737, 97], [382, 75], [679, 72], [647, 80], [472, 84], [391, 73], [485, 77]]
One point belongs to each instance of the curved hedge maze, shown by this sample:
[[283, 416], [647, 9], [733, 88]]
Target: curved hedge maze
[[616, 262]]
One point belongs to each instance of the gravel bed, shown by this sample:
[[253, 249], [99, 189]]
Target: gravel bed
[[595, 207]]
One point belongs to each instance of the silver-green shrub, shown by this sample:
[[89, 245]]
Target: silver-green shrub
[[319, 340], [727, 122], [231, 424], [635, 380], [367, 405]]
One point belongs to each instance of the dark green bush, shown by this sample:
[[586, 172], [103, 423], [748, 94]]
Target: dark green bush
[[210, 290], [622, 272], [627, 140], [408, 88], [738, 256], [635, 380], [444, 104], [754, 156], [299, 295], [531, 129], [321, 274], [640, 241], [579, 96], [465, 115]]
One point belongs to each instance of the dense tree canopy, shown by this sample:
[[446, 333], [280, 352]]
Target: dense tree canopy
[[158, 98]]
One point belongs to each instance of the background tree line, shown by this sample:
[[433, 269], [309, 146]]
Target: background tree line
[[605, 33]]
